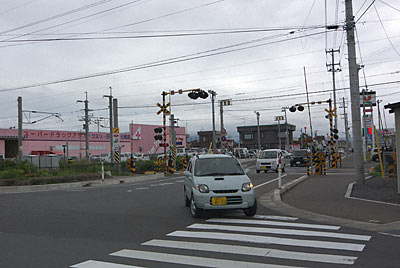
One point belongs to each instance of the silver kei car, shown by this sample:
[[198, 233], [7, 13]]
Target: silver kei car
[[216, 181]]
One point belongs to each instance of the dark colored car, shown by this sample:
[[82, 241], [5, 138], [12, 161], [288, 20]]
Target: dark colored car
[[299, 158]]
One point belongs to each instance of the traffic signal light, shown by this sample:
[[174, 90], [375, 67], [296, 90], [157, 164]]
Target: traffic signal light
[[293, 109], [198, 93], [158, 131], [335, 134]]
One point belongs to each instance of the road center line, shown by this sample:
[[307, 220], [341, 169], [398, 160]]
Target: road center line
[[265, 183]]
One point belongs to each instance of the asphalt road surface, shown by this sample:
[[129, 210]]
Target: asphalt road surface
[[147, 225]]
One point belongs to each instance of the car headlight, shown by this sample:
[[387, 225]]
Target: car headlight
[[202, 188], [247, 186]]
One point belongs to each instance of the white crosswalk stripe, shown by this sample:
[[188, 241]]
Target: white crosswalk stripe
[[268, 239], [271, 217], [189, 260], [275, 223], [277, 231], [253, 251], [101, 264]]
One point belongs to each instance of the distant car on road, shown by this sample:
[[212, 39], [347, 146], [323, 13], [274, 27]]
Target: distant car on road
[[217, 181], [299, 157], [269, 160]]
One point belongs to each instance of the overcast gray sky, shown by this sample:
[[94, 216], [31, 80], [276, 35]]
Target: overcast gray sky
[[252, 52]]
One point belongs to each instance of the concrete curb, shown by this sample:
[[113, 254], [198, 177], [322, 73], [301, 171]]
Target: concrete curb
[[81, 184], [273, 200]]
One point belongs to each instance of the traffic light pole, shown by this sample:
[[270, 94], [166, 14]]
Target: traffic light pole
[[165, 135]]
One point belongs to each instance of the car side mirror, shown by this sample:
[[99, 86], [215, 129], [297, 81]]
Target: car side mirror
[[187, 173], [247, 171]]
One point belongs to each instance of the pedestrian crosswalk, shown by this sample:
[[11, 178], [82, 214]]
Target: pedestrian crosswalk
[[264, 241]]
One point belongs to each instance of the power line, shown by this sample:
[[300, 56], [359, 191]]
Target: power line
[[56, 16], [390, 5], [384, 30], [160, 63], [150, 36], [12, 39], [16, 7], [365, 11]]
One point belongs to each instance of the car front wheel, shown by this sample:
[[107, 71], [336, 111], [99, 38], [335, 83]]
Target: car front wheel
[[251, 211], [194, 210]]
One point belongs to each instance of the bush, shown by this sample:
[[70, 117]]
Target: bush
[[11, 174]]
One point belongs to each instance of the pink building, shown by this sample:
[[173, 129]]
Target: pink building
[[143, 138], [54, 141]]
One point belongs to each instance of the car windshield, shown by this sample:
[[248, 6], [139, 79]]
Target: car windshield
[[299, 153], [217, 167], [269, 155]]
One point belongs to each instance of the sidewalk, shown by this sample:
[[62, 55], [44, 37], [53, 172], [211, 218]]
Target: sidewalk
[[323, 198]]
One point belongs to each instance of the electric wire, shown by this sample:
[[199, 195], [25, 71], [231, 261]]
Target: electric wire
[[143, 36], [12, 39], [389, 5], [365, 11], [69, 12], [384, 30], [157, 63], [16, 7]]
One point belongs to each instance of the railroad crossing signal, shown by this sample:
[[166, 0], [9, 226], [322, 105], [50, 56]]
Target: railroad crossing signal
[[163, 108], [331, 113]]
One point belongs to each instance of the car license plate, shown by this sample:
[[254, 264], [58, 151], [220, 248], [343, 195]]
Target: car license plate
[[215, 201], [264, 167], [298, 162]]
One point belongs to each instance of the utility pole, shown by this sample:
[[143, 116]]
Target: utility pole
[[258, 132], [346, 125], [286, 124], [380, 124], [355, 95], [115, 121], [110, 108], [19, 129], [213, 94], [221, 115], [173, 139], [333, 69], [86, 125]]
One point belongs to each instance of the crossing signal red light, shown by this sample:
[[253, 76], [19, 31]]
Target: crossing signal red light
[[158, 130], [300, 108]]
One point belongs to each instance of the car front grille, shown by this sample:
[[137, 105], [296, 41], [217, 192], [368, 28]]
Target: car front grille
[[225, 191], [232, 200]]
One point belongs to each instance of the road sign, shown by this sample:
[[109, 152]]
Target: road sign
[[367, 98], [116, 140], [279, 118], [223, 132], [163, 108]]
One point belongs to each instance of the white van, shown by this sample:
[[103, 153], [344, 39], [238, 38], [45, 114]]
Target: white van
[[269, 160]]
